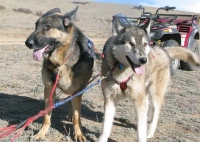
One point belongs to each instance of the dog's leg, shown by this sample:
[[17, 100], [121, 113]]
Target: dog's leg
[[76, 106], [69, 106], [109, 112], [157, 101], [47, 118], [156, 106], [157, 96], [141, 104]]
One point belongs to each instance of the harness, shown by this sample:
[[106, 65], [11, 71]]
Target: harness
[[90, 49], [90, 45]]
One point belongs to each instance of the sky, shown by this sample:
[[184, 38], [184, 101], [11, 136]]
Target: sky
[[184, 5]]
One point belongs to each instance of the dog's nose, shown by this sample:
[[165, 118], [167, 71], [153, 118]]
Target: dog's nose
[[29, 43], [143, 60]]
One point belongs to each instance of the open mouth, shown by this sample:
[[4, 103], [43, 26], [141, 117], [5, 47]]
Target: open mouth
[[138, 69], [38, 54]]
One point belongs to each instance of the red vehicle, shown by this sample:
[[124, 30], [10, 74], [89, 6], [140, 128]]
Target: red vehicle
[[171, 30], [174, 29]]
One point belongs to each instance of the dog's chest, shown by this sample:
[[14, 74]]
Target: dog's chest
[[64, 83], [127, 80]]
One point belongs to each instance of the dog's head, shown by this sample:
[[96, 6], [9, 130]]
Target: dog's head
[[52, 31], [131, 48]]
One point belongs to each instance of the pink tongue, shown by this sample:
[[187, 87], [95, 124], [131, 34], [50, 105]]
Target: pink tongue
[[139, 70], [37, 55]]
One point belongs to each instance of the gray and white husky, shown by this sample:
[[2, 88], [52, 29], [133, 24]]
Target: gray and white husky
[[134, 69]]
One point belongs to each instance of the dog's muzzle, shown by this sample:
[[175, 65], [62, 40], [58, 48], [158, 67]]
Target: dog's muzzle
[[138, 69]]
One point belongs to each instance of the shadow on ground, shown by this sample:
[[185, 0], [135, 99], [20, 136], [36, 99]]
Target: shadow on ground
[[15, 109]]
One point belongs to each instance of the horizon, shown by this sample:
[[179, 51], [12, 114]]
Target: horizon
[[190, 6]]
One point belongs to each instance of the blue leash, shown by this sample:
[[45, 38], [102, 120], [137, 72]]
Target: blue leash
[[77, 94]]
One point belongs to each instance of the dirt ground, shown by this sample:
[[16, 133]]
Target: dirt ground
[[21, 88]]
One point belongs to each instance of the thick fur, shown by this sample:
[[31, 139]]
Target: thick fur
[[128, 49], [69, 54]]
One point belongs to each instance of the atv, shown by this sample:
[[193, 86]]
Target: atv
[[167, 30]]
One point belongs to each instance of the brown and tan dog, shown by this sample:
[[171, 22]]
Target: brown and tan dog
[[135, 70], [65, 49]]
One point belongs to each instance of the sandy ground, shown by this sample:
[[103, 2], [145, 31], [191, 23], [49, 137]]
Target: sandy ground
[[21, 89]]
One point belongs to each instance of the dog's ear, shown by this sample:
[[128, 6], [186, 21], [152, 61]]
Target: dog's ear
[[69, 16], [116, 26], [52, 11], [145, 22], [120, 24]]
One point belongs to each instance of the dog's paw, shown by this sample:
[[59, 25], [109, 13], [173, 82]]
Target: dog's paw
[[79, 138], [103, 138], [151, 131], [150, 135], [37, 137]]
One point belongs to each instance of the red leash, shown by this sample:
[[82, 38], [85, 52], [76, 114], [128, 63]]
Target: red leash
[[23, 124], [101, 54], [53, 89], [8, 130]]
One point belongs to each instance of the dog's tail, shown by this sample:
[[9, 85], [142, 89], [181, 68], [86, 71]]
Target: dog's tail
[[183, 54]]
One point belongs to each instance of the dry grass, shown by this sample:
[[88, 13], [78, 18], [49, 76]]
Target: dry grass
[[23, 10], [108, 20], [39, 13]]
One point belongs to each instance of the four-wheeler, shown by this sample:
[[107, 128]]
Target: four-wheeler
[[166, 30]]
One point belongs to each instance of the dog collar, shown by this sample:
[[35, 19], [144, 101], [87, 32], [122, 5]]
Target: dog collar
[[121, 66], [123, 84]]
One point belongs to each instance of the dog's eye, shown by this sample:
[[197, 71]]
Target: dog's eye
[[48, 27], [145, 44], [131, 43]]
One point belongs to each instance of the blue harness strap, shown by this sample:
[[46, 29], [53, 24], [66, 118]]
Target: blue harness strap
[[90, 47]]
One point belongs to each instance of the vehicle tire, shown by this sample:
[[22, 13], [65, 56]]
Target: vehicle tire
[[175, 63], [195, 49]]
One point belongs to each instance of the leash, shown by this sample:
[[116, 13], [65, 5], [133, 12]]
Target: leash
[[21, 126], [54, 88], [101, 54]]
